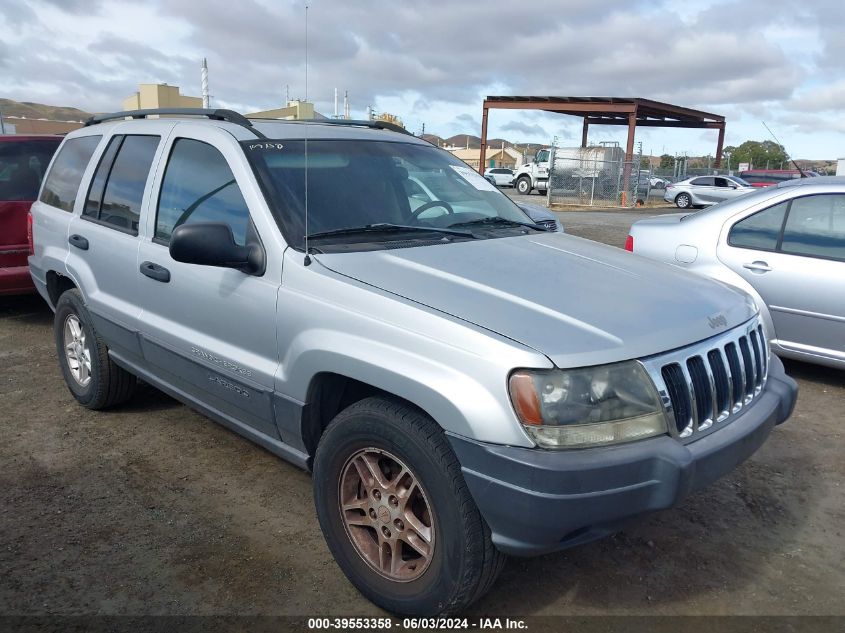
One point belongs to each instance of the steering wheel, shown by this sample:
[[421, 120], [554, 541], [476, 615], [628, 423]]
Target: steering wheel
[[429, 205]]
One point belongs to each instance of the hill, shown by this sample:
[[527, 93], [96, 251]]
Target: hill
[[32, 110]]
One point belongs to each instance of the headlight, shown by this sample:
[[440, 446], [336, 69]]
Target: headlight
[[592, 406]]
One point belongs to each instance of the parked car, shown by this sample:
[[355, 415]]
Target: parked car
[[785, 245], [502, 176], [705, 190], [657, 182], [769, 177], [23, 160], [462, 384]]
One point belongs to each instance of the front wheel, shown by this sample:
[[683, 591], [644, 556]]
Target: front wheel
[[683, 201], [523, 186], [396, 512]]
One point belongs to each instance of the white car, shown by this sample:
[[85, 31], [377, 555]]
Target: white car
[[784, 245], [502, 176], [702, 191]]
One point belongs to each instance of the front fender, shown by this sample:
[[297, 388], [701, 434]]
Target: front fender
[[471, 403]]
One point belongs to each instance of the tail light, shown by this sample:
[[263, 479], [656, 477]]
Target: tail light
[[670, 186], [629, 243], [29, 233]]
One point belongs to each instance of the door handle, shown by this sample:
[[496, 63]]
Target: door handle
[[757, 267], [154, 271], [78, 241]]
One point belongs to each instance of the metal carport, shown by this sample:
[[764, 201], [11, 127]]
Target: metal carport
[[632, 112]]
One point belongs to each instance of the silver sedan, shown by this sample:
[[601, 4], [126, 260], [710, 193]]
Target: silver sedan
[[705, 190], [784, 245]]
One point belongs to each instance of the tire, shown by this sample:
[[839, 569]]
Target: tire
[[683, 201], [91, 376], [462, 563], [523, 186]]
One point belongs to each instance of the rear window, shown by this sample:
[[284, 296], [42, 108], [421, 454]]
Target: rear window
[[22, 166], [62, 183]]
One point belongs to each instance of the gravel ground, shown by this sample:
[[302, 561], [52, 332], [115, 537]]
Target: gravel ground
[[154, 509]]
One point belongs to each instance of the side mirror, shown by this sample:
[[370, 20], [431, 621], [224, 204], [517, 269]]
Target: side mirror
[[213, 244]]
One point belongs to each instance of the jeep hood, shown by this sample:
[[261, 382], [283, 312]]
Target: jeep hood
[[576, 301]]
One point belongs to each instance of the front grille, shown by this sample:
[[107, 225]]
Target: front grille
[[709, 383], [548, 224]]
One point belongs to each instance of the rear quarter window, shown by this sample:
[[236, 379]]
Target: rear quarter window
[[65, 175], [760, 231]]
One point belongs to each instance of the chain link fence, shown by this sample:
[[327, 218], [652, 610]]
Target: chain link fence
[[590, 180]]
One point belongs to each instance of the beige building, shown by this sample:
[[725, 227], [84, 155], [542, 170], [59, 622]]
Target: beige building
[[295, 110], [507, 157], [151, 96]]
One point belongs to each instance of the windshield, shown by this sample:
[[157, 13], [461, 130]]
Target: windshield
[[360, 183]]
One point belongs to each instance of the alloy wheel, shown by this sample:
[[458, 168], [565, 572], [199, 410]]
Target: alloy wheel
[[77, 352], [387, 515]]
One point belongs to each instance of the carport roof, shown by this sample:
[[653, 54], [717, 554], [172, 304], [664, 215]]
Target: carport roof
[[612, 110]]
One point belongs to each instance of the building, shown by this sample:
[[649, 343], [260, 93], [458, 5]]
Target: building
[[295, 110], [23, 125], [151, 96], [504, 157]]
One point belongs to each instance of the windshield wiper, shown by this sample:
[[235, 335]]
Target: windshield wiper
[[496, 219], [386, 227]]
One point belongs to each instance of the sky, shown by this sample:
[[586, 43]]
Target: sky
[[433, 62]]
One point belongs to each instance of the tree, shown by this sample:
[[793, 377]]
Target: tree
[[757, 153], [666, 161]]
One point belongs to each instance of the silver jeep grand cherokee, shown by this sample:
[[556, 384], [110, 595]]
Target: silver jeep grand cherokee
[[462, 383]]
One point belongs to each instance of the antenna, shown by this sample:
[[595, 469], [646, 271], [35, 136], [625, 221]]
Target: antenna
[[792, 160], [307, 260]]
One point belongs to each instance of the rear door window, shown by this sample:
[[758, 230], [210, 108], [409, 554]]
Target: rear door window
[[117, 189], [199, 186], [65, 175], [815, 227], [760, 231]]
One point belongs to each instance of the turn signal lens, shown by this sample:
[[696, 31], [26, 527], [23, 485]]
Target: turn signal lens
[[525, 400]]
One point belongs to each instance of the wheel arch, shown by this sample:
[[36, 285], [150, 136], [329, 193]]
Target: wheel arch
[[58, 284]]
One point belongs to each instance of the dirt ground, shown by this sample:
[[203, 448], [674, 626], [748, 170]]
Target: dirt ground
[[154, 509]]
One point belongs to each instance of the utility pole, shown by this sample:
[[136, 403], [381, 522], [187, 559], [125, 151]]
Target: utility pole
[[2, 125], [204, 83], [335, 103]]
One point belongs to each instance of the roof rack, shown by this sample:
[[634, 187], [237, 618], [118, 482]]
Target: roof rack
[[376, 125], [216, 114]]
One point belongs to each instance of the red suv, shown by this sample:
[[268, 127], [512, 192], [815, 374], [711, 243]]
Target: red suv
[[23, 161]]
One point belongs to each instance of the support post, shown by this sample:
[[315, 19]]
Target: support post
[[584, 132], [629, 156], [720, 146], [483, 155]]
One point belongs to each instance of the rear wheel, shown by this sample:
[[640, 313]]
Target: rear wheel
[[523, 186], [91, 376], [683, 201], [396, 512]]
